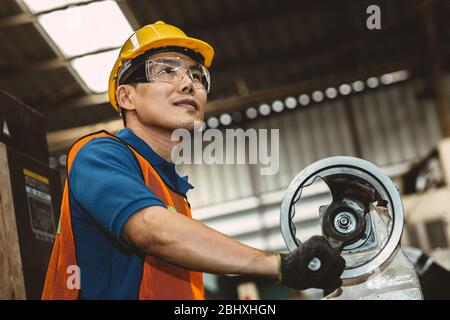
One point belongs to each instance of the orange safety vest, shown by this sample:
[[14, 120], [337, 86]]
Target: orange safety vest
[[160, 280]]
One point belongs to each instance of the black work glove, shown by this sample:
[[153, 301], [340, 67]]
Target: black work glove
[[295, 273]]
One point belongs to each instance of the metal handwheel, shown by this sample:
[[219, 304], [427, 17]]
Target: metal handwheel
[[364, 221]]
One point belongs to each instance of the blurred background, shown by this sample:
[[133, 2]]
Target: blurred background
[[312, 69]]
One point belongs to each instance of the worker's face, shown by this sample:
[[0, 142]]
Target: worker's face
[[170, 105]]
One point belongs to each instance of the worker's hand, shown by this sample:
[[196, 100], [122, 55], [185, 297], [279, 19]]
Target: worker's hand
[[297, 271]]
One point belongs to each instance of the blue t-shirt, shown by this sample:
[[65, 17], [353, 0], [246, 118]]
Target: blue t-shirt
[[106, 188]]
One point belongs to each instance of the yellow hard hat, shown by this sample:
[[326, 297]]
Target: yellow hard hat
[[153, 36]]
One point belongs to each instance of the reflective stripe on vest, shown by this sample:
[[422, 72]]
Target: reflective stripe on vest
[[160, 279]]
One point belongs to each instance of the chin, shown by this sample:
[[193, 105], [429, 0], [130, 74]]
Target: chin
[[188, 124]]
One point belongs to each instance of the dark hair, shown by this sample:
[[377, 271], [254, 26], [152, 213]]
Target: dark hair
[[123, 116]]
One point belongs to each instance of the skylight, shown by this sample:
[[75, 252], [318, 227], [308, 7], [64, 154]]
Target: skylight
[[80, 29], [94, 69], [37, 6]]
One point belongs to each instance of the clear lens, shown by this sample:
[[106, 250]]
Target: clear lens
[[175, 69]]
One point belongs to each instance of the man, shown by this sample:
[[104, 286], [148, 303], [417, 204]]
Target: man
[[125, 225]]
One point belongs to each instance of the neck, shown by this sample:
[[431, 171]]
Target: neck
[[157, 138]]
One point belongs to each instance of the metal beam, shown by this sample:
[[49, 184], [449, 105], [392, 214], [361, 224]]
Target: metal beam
[[16, 20], [14, 66], [59, 140], [45, 105], [20, 65], [128, 12], [323, 49], [67, 6], [247, 15], [86, 101]]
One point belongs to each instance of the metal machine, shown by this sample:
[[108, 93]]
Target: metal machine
[[364, 222], [30, 194]]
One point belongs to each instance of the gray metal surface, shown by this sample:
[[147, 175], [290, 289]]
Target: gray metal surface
[[353, 167]]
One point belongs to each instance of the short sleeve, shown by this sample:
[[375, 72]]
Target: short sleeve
[[106, 181]]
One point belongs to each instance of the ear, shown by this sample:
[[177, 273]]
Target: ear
[[125, 97]]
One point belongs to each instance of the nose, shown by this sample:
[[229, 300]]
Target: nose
[[186, 84]]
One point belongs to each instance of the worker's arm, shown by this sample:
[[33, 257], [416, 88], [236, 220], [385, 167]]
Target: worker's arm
[[192, 245]]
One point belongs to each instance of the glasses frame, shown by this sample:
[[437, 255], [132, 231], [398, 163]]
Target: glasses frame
[[148, 78]]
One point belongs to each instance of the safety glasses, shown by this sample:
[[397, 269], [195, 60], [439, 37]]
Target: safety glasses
[[172, 70]]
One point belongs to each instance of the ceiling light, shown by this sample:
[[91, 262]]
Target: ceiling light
[[79, 30], [345, 89], [290, 102], [213, 122], [304, 99], [277, 106], [94, 69], [331, 93], [358, 86], [251, 113], [317, 96], [264, 109], [393, 77], [373, 82], [225, 119]]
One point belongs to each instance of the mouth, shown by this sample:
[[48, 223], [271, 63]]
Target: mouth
[[187, 103]]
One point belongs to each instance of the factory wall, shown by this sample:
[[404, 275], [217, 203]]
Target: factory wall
[[389, 126]]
